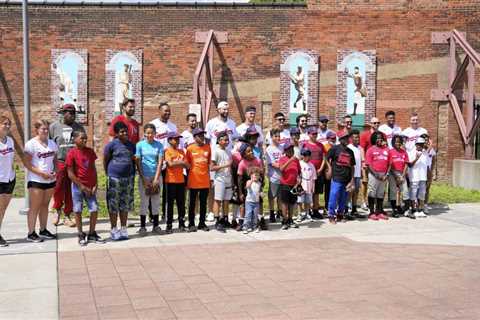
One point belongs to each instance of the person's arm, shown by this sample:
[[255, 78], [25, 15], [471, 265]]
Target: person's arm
[[107, 156], [75, 180], [285, 165], [138, 162], [248, 183], [158, 172], [28, 164]]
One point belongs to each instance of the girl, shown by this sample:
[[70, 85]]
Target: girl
[[7, 173], [397, 183], [40, 159], [290, 168], [252, 200]]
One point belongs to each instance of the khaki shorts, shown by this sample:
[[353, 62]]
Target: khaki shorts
[[418, 189], [222, 191], [393, 188], [376, 187]]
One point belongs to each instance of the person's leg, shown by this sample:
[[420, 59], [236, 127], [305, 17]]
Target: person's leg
[[342, 199], [333, 200], [43, 212], [180, 198], [59, 194], [372, 194], [203, 197], [191, 207], [164, 196], [77, 198], [271, 202], [4, 201], [144, 205], [123, 219], [36, 199], [327, 188], [249, 213], [171, 197]]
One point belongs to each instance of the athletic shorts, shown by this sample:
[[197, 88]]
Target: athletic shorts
[[357, 181], [120, 194], [222, 191], [376, 187], [319, 183], [41, 185], [305, 198], [286, 196], [273, 190], [78, 197], [393, 188], [7, 187], [418, 189]]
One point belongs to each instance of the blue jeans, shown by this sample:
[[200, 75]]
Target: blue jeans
[[338, 195], [78, 197], [251, 209]]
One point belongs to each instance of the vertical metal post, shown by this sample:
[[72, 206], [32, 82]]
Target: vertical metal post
[[452, 71], [26, 90], [469, 110]]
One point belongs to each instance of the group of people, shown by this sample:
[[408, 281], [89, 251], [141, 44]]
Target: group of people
[[224, 167]]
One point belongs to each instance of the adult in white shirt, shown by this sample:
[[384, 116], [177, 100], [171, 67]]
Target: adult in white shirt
[[221, 123], [163, 125], [7, 172], [250, 113], [412, 133], [390, 129], [357, 173], [40, 160], [417, 175], [280, 124], [323, 129], [187, 136]]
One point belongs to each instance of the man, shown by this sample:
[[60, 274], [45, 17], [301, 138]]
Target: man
[[359, 155], [250, 113], [128, 110], [323, 129], [412, 133], [365, 144], [221, 123], [187, 136], [390, 129], [302, 124], [163, 125], [280, 124], [347, 126], [61, 132]]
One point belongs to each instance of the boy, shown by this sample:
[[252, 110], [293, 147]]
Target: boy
[[357, 175], [341, 165], [418, 178], [198, 157], [119, 165], [222, 167], [290, 168], [175, 181], [273, 154], [253, 187], [308, 176], [81, 169], [397, 183]]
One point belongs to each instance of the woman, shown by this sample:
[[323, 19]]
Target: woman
[[7, 173], [40, 159]]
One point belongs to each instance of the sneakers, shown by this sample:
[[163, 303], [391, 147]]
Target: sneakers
[[3, 242], [181, 228], [203, 227], [234, 224], [258, 229], [142, 231], [115, 234], [285, 226], [210, 217], [192, 228], [169, 230], [47, 234], [373, 216], [67, 221], [246, 231], [33, 237], [420, 214], [219, 226], [226, 223], [382, 216], [350, 217], [82, 239], [332, 219], [364, 207], [263, 224], [95, 238], [426, 209], [157, 230], [123, 234], [272, 217], [293, 224]]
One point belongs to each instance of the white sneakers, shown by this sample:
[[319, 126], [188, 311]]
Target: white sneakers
[[210, 217], [420, 214], [117, 235]]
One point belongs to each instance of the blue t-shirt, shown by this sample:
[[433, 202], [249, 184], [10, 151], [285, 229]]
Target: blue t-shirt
[[121, 164], [149, 155]]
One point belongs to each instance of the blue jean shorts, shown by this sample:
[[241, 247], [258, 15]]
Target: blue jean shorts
[[78, 197]]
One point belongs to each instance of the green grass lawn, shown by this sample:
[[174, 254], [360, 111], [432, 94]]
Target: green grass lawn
[[440, 193]]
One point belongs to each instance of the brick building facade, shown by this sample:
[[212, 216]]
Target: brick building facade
[[247, 71]]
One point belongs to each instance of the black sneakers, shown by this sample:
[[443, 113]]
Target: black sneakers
[[219, 226], [95, 238], [47, 234], [263, 224], [272, 217], [82, 239], [203, 227], [192, 228], [33, 237], [3, 242]]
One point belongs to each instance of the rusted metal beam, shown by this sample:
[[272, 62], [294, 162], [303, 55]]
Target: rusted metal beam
[[462, 42], [459, 117], [460, 73], [469, 110]]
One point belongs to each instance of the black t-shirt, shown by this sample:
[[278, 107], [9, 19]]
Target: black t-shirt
[[342, 160]]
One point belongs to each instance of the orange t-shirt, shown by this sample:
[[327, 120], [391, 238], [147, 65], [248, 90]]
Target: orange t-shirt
[[199, 159], [174, 174]]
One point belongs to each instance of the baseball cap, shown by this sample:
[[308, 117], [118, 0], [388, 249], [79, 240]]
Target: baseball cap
[[294, 130], [305, 153], [197, 131], [68, 107], [173, 135], [323, 118], [312, 129], [250, 109], [420, 140], [287, 145], [222, 104], [252, 131], [331, 135]]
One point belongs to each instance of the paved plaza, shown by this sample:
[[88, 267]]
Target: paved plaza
[[396, 269]]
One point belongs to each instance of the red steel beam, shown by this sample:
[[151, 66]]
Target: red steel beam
[[460, 39], [460, 73], [459, 117]]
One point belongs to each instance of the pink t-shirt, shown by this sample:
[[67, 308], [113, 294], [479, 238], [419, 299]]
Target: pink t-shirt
[[398, 159], [318, 151], [245, 164], [377, 159]]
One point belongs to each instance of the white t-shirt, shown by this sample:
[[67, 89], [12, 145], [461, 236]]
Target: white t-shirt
[[322, 135], [253, 192], [186, 140], [303, 138], [162, 130], [412, 135], [7, 155], [215, 126], [272, 155], [42, 158], [431, 154], [389, 132], [309, 175], [418, 172], [242, 129], [222, 157], [357, 152], [284, 137]]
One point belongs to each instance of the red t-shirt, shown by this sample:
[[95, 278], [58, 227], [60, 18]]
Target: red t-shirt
[[398, 159], [318, 151], [291, 172], [83, 163], [132, 125], [245, 164], [377, 159], [365, 139]]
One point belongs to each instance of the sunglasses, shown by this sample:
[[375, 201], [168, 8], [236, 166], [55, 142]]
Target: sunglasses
[[281, 119], [376, 122], [348, 121]]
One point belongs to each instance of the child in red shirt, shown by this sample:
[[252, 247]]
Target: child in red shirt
[[397, 184], [81, 170], [290, 168], [377, 163]]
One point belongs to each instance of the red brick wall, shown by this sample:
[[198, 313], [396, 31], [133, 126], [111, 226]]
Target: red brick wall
[[399, 31]]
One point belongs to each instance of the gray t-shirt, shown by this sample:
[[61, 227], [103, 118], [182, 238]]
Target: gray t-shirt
[[221, 157], [253, 192], [61, 134], [272, 155]]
